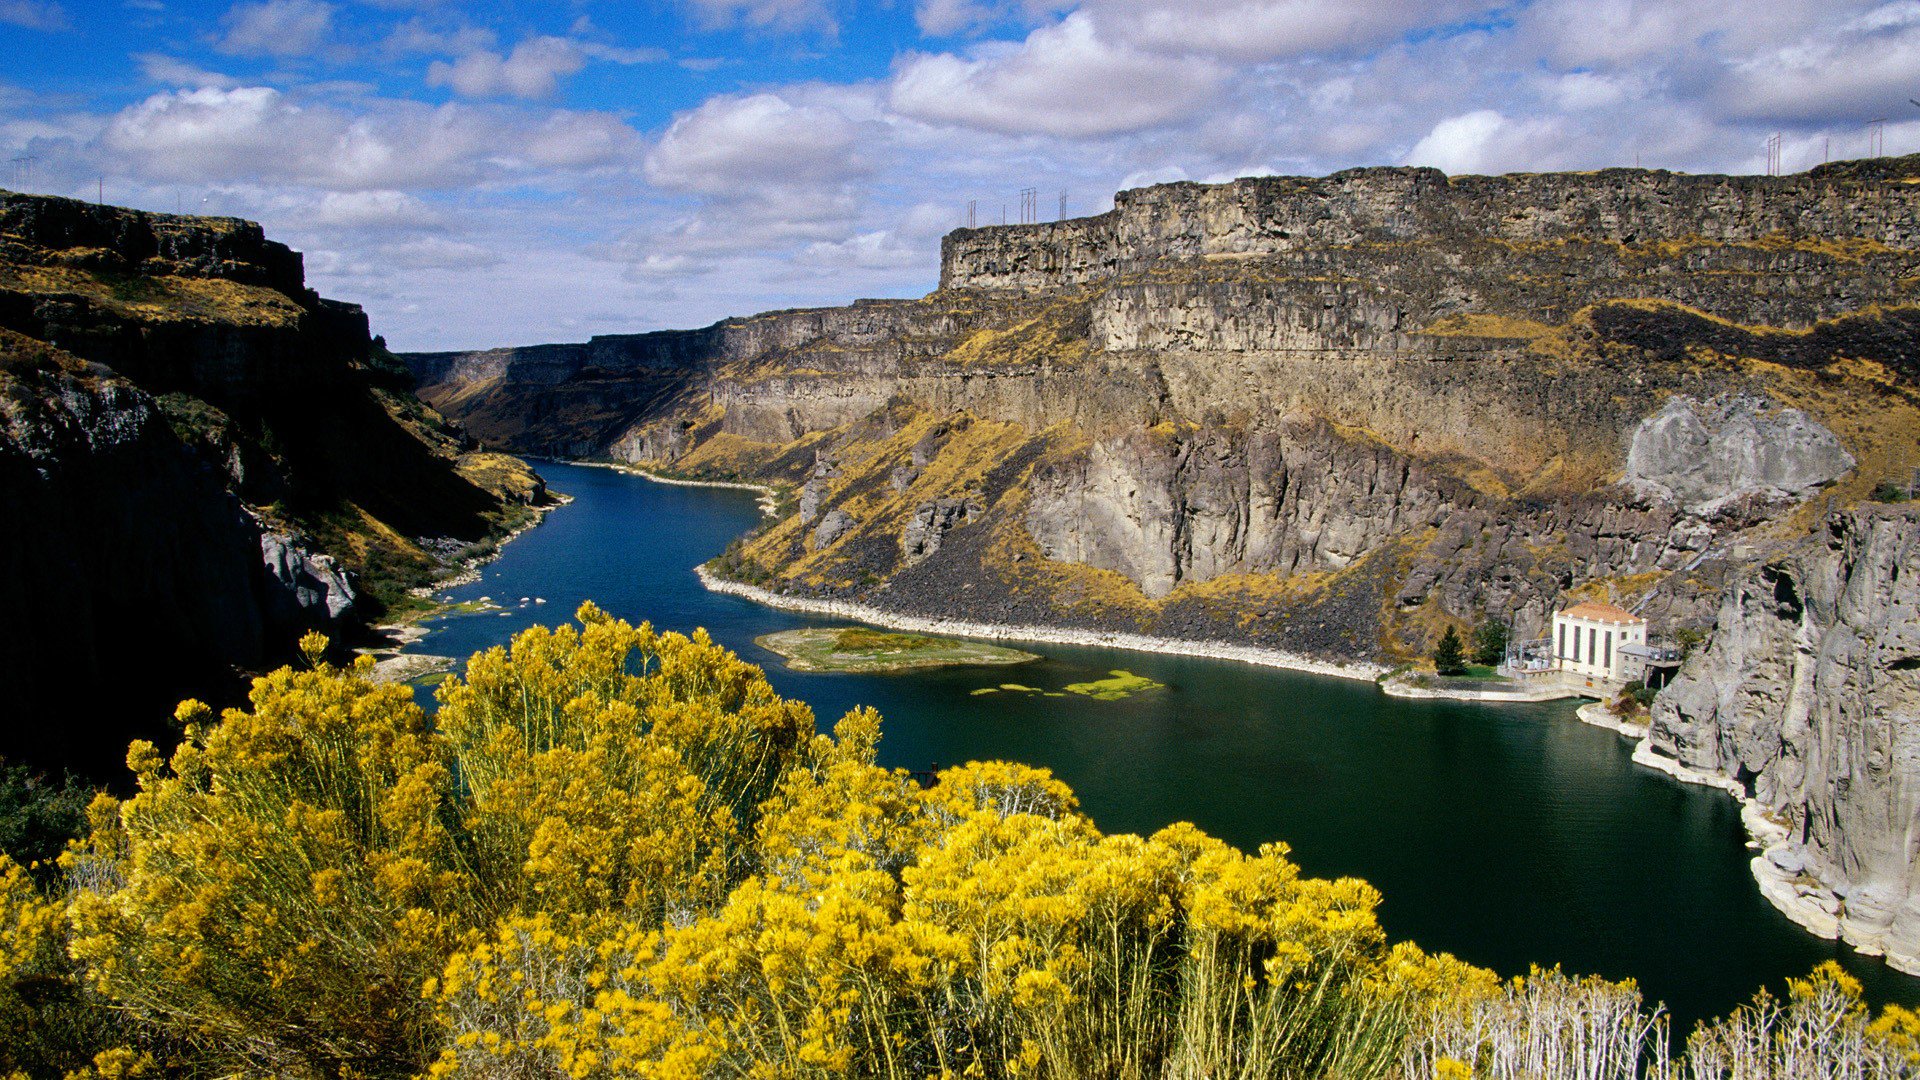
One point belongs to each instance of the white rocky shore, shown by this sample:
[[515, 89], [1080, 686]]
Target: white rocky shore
[[867, 613], [769, 497], [1781, 871]]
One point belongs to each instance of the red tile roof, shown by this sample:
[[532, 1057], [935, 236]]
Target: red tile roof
[[1594, 611]]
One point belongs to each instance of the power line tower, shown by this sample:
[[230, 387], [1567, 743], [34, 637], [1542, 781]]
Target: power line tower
[[1773, 154], [23, 170], [972, 205], [1029, 205], [1063, 205], [1876, 137]]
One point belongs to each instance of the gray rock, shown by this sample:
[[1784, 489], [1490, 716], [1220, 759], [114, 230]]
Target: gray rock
[[930, 522], [1706, 454], [1809, 694], [311, 585], [832, 527]]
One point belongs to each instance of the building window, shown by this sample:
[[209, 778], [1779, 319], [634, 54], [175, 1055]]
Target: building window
[[1608, 662], [1560, 650], [1593, 642]]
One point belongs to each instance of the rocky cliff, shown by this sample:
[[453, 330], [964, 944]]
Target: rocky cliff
[[1330, 415], [201, 459], [1807, 702]]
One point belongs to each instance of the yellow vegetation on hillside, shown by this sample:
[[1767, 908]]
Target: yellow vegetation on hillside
[[157, 297]]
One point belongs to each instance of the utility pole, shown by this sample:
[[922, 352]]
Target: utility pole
[[1876, 136], [1029, 206], [1773, 154], [972, 205]]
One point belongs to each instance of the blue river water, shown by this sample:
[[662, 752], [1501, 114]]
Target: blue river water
[[1509, 835]]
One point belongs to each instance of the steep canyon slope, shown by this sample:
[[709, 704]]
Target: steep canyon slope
[[200, 459], [1326, 415], [1333, 416]]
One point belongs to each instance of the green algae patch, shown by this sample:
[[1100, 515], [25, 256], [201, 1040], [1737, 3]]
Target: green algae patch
[[861, 650], [1118, 684]]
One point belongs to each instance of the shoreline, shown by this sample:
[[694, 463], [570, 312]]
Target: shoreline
[[1215, 650], [1778, 869], [769, 497]]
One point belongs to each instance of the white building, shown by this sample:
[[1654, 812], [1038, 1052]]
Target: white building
[[1589, 640]]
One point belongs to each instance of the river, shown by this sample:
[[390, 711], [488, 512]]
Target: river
[[1508, 835]]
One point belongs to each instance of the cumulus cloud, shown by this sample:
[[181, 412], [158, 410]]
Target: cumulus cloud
[[732, 144], [1258, 30], [1063, 80], [1484, 141], [532, 70], [284, 28], [34, 15], [373, 210], [420, 35], [259, 134], [172, 71]]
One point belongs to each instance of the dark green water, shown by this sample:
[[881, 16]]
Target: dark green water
[[1509, 835]]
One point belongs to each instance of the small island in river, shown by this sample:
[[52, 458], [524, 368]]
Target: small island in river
[[858, 649]]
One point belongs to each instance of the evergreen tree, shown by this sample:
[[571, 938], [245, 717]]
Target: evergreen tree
[[1449, 658], [1490, 642]]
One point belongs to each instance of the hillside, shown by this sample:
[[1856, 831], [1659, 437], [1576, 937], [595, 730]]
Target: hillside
[[1333, 416], [201, 459]]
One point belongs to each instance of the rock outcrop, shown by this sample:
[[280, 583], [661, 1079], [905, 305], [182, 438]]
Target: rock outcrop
[[1807, 702], [200, 459], [1704, 455]]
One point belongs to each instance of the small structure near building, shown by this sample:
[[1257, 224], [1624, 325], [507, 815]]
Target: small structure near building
[[1590, 641]]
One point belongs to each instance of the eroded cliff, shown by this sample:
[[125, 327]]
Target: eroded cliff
[[201, 459], [1328, 415], [1807, 699]]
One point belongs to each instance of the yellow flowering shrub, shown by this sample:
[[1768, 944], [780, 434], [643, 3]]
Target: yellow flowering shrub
[[285, 882], [616, 853], [614, 768]]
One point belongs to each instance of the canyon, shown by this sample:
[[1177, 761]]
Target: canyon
[[1332, 417]]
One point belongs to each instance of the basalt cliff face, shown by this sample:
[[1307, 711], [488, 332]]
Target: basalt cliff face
[[1807, 698], [1331, 416], [201, 459]]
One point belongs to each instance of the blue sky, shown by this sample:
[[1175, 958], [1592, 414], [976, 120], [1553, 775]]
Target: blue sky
[[500, 173]]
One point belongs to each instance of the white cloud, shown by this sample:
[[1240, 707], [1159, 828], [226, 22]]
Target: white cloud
[[34, 15], [876, 250], [1064, 80], [765, 14], [436, 253], [373, 209], [1258, 30], [1484, 141], [258, 134], [940, 18], [419, 35], [732, 144], [532, 70], [277, 28], [172, 71]]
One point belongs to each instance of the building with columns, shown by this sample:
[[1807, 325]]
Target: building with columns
[[1591, 640]]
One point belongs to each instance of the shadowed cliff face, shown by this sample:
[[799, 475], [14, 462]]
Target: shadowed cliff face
[[201, 459]]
